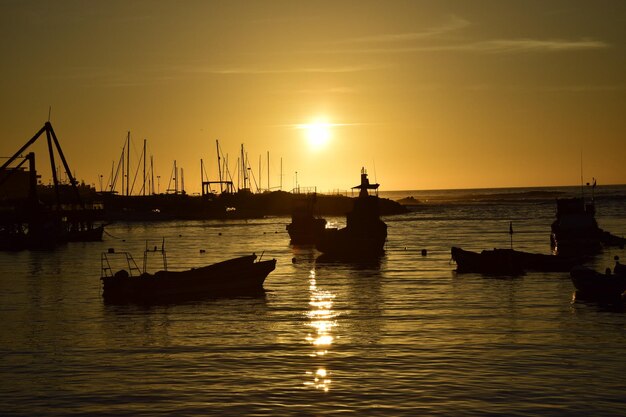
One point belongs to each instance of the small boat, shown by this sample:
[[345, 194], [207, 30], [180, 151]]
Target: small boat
[[510, 262], [365, 233], [234, 277], [600, 286], [85, 233], [305, 228], [576, 231]]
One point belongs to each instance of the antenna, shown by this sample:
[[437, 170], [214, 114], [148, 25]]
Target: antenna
[[49, 112]]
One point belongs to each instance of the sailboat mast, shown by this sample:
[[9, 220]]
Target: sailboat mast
[[219, 166], [128, 165], [268, 170], [152, 173], [144, 167]]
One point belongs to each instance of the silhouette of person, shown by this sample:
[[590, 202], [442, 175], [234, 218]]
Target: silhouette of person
[[619, 268]]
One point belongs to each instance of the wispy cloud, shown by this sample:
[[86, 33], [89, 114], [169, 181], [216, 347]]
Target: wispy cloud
[[495, 46], [454, 24], [529, 45], [448, 37], [296, 70]]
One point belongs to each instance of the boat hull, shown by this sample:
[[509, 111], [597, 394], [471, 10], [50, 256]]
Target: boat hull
[[592, 284], [509, 261], [344, 244], [234, 277]]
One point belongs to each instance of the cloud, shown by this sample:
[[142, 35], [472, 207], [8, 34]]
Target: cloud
[[454, 24], [304, 70], [529, 45], [495, 46]]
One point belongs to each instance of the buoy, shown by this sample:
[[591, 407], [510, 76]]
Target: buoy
[[424, 252], [293, 260], [202, 251], [219, 234]]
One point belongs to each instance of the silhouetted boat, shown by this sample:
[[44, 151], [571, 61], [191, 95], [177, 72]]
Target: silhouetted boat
[[509, 261], [233, 277], [576, 231], [305, 227], [85, 233], [602, 286], [365, 233]]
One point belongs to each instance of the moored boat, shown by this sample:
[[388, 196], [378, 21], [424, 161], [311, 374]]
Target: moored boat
[[305, 227], [602, 286], [365, 233], [233, 277], [510, 261], [576, 231]]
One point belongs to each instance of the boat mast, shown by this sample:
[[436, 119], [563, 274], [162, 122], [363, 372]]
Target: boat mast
[[144, 167], [128, 166], [152, 173], [219, 166], [243, 167], [268, 170]]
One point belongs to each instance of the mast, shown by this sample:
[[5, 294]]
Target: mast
[[128, 166], [243, 167], [123, 170], [281, 173], [182, 181], [152, 173], [112, 169], [175, 178], [219, 166], [268, 170], [144, 167]]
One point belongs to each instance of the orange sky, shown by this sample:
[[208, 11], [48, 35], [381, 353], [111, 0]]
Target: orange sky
[[424, 94]]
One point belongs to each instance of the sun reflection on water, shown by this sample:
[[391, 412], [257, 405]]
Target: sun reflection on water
[[322, 321]]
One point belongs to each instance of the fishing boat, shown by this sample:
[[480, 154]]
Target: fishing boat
[[244, 275], [365, 233], [305, 227], [576, 231], [610, 285], [510, 261]]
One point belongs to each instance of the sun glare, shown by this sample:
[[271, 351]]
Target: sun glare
[[318, 134]]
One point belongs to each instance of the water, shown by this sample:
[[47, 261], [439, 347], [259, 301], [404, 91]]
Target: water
[[407, 336]]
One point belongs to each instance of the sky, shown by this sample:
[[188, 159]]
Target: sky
[[423, 94]]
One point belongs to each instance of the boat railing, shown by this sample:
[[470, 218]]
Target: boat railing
[[127, 259], [156, 249]]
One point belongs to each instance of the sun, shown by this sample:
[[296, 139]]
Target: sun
[[318, 134]]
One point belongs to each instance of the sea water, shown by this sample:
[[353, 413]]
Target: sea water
[[403, 336]]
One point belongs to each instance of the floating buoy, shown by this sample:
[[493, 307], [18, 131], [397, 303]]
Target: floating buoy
[[219, 234], [293, 260], [202, 251], [424, 252]]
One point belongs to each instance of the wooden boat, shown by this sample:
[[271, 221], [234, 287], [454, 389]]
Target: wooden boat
[[365, 233], [509, 261], [601, 286], [233, 277]]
